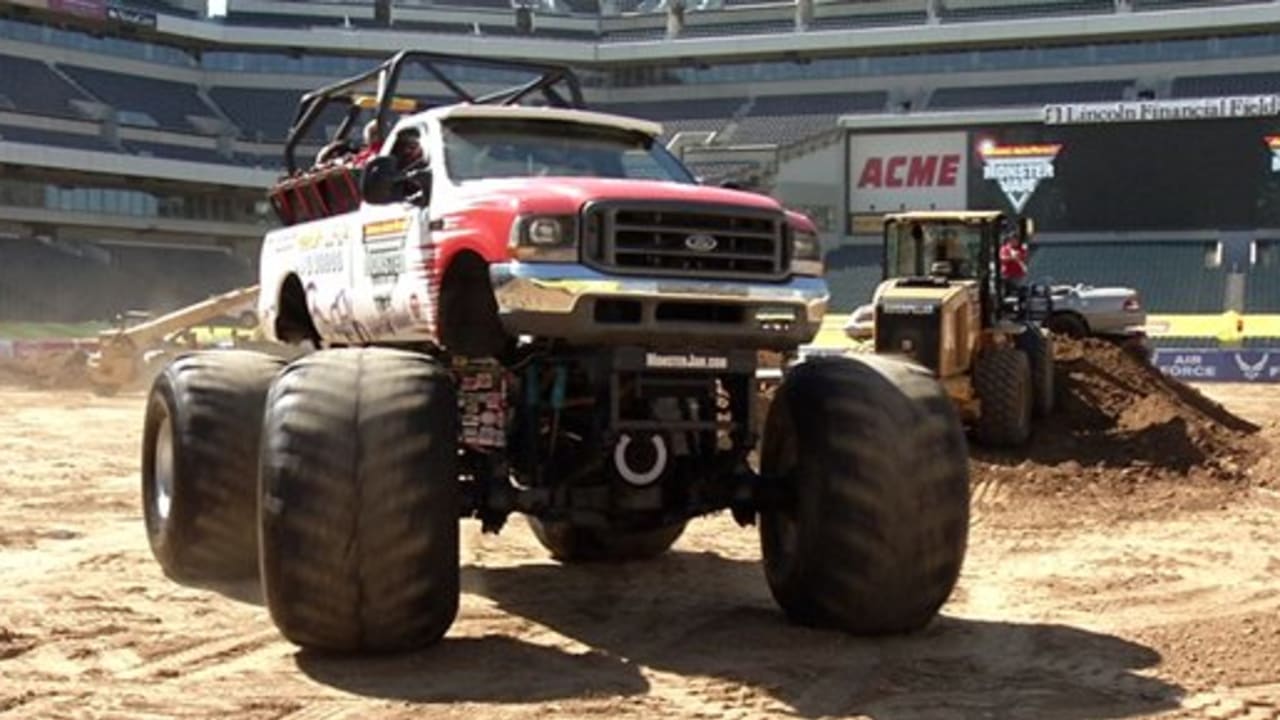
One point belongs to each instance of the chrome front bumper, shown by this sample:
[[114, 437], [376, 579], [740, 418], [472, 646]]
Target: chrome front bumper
[[575, 303]]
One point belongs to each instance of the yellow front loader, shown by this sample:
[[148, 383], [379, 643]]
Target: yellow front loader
[[125, 353]]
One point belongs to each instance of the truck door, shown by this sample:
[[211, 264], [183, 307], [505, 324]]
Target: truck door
[[391, 258]]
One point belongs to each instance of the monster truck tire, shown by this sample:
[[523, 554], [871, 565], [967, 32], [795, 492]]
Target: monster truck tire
[[200, 464], [360, 501], [867, 479], [1039, 349], [1003, 383], [569, 543]]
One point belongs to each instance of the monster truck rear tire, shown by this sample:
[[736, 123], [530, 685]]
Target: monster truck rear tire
[[867, 517], [360, 501], [1039, 349], [1002, 381], [570, 543], [200, 464]]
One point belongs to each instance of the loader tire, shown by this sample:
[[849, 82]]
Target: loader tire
[[200, 464], [866, 476], [1038, 346], [360, 501], [570, 543], [1002, 381]]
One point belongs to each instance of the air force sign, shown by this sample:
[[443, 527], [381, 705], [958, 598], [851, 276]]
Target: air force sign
[[1219, 365]]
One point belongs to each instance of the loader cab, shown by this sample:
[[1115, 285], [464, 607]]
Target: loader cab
[[942, 249]]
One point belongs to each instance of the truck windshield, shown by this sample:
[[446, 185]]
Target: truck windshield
[[916, 249], [477, 148]]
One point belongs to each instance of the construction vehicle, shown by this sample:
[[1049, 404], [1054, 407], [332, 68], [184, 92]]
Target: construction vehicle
[[125, 352], [944, 304], [537, 309]]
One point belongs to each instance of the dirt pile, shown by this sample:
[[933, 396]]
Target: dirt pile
[[1121, 422], [61, 370]]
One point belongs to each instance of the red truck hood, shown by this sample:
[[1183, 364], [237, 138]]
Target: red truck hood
[[566, 195]]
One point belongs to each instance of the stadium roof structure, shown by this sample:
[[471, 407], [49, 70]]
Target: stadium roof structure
[[906, 37]]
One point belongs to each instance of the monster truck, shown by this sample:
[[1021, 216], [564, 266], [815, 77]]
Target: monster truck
[[537, 310]]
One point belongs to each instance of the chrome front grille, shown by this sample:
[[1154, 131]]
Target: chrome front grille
[[683, 240]]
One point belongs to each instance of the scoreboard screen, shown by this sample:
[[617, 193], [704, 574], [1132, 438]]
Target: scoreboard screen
[[1131, 177]]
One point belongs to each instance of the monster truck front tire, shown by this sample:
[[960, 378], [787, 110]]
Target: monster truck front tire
[[1002, 381], [200, 463], [570, 543], [867, 475], [360, 501]]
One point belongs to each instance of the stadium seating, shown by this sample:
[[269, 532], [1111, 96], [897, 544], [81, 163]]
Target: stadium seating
[[1190, 343], [715, 171], [1236, 84], [969, 10], [265, 115], [41, 284], [783, 119], [35, 136], [853, 271], [1172, 4], [30, 86], [1262, 281], [1013, 95], [1171, 276], [46, 283], [725, 28], [703, 115], [167, 102], [868, 20], [177, 152]]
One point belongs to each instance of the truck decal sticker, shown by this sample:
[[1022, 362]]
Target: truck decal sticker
[[383, 228]]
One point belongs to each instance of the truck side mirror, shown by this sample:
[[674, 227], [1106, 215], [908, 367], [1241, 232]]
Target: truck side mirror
[[380, 185]]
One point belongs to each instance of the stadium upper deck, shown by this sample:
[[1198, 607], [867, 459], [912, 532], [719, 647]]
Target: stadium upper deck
[[147, 122]]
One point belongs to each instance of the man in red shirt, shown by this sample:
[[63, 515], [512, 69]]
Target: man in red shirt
[[1013, 261]]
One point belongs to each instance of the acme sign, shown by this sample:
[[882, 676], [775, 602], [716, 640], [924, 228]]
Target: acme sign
[[1214, 108], [910, 171]]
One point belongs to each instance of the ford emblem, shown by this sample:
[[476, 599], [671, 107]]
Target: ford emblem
[[701, 242]]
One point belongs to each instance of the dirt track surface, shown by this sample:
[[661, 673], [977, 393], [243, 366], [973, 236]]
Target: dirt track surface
[[1099, 599]]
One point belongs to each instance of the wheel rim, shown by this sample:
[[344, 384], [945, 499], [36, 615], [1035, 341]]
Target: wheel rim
[[162, 475]]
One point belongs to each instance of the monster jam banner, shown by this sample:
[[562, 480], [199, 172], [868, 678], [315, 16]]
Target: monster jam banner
[[1130, 177], [1018, 169], [1260, 366]]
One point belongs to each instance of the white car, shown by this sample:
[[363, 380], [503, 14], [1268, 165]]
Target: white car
[[1083, 310]]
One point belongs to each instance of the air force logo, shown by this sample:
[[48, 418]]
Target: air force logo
[[1252, 371]]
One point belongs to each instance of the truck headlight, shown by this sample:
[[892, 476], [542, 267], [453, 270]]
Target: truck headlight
[[806, 253], [545, 238]]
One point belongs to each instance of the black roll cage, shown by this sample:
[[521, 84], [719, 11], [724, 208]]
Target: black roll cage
[[549, 79]]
